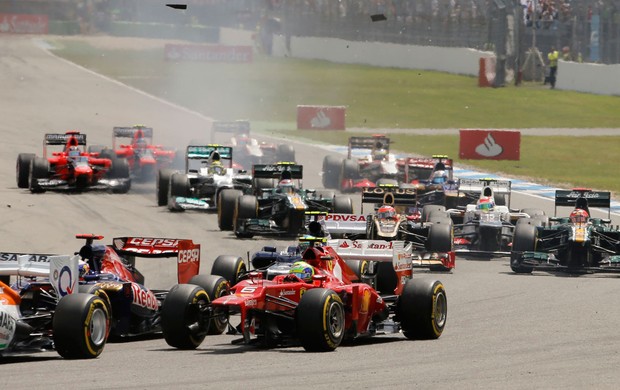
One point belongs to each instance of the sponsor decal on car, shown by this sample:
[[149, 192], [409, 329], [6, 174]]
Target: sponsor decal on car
[[143, 297], [345, 217]]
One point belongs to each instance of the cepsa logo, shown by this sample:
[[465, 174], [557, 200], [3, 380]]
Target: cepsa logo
[[143, 297], [345, 218], [151, 245], [189, 256]]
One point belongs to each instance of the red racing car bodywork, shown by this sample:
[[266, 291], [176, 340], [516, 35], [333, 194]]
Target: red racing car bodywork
[[278, 308], [70, 169]]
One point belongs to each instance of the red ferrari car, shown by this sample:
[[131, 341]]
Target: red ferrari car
[[143, 157], [316, 302], [72, 168]]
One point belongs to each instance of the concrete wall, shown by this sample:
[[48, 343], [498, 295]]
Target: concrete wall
[[590, 78]]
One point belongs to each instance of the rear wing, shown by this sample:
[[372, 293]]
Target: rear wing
[[186, 252], [61, 271], [275, 171], [373, 142], [129, 132], [230, 127], [578, 197], [388, 195], [477, 185], [62, 139], [204, 152]]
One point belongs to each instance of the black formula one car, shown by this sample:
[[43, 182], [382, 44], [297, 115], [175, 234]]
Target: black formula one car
[[280, 210], [575, 244]]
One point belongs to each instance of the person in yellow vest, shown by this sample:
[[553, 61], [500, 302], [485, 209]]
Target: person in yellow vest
[[553, 65]]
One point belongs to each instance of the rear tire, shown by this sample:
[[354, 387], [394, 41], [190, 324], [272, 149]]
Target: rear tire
[[343, 205], [22, 169], [81, 325], [285, 153], [423, 309], [181, 318], [320, 320], [331, 171], [226, 200]]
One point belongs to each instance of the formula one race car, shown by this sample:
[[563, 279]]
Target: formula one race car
[[43, 311], [209, 170], [576, 244], [249, 151], [144, 157], [281, 210], [109, 272], [72, 168], [484, 228], [317, 304], [349, 175]]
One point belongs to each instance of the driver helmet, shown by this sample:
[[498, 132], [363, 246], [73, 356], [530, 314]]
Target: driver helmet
[[379, 154], [74, 151], [439, 177], [286, 186], [242, 139], [579, 216], [302, 270], [141, 143], [485, 203], [386, 212]]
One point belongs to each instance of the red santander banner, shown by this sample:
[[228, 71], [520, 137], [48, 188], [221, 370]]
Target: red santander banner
[[23, 24], [320, 117], [490, 145], [208, 53]]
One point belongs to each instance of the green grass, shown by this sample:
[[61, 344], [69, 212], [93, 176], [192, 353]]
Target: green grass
[[269, 90]]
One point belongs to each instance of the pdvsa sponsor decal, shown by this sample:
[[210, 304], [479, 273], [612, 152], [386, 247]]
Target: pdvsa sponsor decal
[[23, 24], [490, 144], [345, 218], [143, 297], [208, 53]]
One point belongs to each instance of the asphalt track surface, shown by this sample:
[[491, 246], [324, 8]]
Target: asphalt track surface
[[503, 330]]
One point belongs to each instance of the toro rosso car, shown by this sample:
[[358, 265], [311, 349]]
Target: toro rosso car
[[71, 168], [143, 157], [249, 151], [318, 304], [576, 244], [280, 210], [109, 272], [43, 310], [208, 171]]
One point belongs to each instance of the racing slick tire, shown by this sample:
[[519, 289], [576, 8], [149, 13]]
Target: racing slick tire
[[320, 320], [265, 183], [120, 170], [422, 309], [97, 290], [181, 317], [386, 277], [245, 208], [39, 169], [428, 209], [81, 326], [163, 185], [500, 199], [215, 286], [325, 194], [22, 169], [343, 205], [524, 239], [108, 153], [285, 153], [440, 237], [350, 170], [331, 171], [229, 267], [226, 200], [359, 268], [179, 185]]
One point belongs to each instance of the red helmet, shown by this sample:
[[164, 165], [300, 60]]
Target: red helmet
[[579, 216], [386, 212]]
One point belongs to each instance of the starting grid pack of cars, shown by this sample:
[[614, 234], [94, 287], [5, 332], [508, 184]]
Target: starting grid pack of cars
[[349, 276]]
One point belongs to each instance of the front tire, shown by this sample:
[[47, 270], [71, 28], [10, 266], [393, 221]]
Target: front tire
[[163, 185], [343, 205], [181, 316], [22, 169], [81, 325], [423, 309], [39, 169], [229, 267], [320, 320], [226, 200], [245, 208], [524, 239]]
